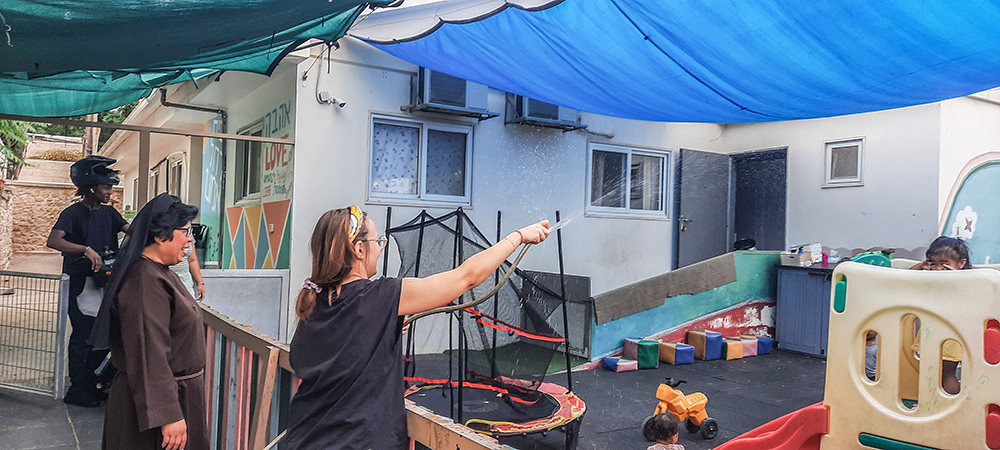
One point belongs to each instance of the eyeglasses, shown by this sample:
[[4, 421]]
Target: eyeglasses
[[382, 240], [189, 231]]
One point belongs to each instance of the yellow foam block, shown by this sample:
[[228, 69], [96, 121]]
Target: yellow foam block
[[732, 348], [707, 344], [676, 353]]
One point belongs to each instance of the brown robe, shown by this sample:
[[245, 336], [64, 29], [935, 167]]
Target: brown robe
[[157, 344]]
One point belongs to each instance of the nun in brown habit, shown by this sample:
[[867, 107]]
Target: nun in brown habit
[[154, 329]]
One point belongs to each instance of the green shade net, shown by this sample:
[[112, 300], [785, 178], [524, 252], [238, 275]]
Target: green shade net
[[65, 57]]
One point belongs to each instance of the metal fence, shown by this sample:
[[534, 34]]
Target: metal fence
[[33, 332]]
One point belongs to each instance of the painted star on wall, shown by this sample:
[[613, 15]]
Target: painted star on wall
[[965, 223]]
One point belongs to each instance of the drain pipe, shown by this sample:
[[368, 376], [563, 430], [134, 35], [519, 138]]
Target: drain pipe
[[222, 185], [208, 109]]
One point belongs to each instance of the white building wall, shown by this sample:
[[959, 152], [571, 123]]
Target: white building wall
[[892, 209], [526, 172], [969, 127]]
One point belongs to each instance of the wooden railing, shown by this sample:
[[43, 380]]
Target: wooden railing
[[249, 380]]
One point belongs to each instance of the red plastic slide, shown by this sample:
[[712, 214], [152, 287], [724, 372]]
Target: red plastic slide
[[797, 430]]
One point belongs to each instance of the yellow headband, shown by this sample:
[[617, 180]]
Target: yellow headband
[[355, 225]]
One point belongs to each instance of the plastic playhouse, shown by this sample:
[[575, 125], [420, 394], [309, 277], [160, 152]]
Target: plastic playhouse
[[904, 405]]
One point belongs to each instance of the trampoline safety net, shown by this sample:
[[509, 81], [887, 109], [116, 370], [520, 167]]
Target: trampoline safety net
[[500, 349]]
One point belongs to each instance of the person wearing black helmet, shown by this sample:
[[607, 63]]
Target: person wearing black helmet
[[87, 235]]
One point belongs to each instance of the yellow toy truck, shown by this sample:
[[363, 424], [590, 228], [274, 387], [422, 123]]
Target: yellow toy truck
[[689, 409]]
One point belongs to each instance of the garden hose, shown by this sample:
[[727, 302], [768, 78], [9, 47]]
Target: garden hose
[[489, 294]]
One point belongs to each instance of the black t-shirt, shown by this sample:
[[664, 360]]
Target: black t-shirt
[[349, 359], [97, 228]]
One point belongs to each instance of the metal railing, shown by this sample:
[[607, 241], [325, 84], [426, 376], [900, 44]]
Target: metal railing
[[241, 376], [33, 321], [249, 384]]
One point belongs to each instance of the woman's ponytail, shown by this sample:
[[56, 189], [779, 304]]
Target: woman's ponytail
[[331, 260]]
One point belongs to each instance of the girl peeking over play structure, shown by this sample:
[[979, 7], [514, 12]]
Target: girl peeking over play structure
[[347, 347], [945, 253], [664, 428]]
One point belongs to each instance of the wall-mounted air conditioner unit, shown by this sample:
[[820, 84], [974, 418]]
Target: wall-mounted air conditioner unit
[[443, 93], [529, 111]]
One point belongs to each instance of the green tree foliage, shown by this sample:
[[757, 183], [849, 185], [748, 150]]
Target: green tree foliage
[[13, 140], [116, 115]]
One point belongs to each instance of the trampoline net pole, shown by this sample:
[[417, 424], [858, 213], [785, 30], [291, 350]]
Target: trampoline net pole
[[565, 308]]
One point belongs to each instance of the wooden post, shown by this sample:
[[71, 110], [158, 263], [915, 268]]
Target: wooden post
[[265, 389], [91, 137], [143, 194]]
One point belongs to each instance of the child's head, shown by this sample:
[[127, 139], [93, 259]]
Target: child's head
[[948, 253], [663, 428]]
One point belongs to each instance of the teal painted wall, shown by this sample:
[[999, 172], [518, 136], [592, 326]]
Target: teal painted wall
[[756, 278], [974, 215]]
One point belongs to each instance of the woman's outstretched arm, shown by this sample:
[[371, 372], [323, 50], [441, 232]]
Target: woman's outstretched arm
[[422, 294]]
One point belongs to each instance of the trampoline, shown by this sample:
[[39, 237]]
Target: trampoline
[[495, 413], [482, 361]]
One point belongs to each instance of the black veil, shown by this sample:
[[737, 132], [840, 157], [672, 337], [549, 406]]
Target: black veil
[[129, 252]]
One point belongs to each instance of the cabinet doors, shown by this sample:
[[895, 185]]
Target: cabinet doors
[[803, 310]]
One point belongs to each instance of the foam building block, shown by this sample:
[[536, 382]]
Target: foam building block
[[749, 345], [648, 354], [631, 348], [645, 351], [763, 345], [676, 353], [707, 344], [732, 348], [620, 364]]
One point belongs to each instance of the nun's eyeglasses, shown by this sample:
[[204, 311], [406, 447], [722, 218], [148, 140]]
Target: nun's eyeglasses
[[189, 231]]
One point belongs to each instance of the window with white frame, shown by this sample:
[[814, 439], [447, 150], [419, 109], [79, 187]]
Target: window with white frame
[[844, 163], [175, 176], [154, 183], [135, 192], [248, 156], [420, 161], [625, 180]]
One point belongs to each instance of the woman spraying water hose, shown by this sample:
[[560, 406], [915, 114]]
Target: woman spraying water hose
[[347, 347]]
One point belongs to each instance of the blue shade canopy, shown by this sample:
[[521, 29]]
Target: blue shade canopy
[[68, 57], [715, 61]]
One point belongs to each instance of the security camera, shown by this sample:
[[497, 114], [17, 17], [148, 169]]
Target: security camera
[[325, 97]]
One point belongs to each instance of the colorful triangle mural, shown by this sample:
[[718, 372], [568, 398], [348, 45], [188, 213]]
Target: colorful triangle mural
[[239, 251], [258, 236], [252, 216], [276, 215], [233, 215], [248, 250], [283, 260], [263, 248]]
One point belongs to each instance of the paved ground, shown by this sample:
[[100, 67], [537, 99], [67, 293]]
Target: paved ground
[[742, 395], [32, 421]]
